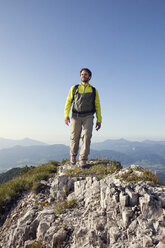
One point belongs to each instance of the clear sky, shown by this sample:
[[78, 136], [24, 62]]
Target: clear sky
[[45, 43]]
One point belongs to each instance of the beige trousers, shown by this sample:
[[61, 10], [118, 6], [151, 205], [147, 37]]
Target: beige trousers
[[81, 127]]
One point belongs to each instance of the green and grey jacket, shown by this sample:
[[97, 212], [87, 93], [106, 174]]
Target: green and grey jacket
[[85, 101]]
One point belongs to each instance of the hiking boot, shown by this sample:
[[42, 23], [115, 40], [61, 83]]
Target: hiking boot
[[83, 164], [73, 160]]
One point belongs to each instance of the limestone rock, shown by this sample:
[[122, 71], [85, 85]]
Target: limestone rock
[[108, 213], [147, 242], [160, 245], [59, 237]]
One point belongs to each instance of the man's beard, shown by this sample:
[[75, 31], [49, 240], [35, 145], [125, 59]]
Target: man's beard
[[85, 80]]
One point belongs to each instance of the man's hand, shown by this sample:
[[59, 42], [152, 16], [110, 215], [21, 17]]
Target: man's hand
[[67, 121], [98, 126]]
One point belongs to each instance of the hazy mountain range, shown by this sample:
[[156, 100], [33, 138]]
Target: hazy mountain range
[[7, 143], [149, 154]]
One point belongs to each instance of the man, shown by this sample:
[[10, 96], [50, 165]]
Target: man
[[85, 100]]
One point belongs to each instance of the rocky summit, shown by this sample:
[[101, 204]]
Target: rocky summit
[[89, 212]]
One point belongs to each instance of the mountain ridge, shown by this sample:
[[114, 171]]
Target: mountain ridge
[[7, 143], [150, 156], [68, 210]]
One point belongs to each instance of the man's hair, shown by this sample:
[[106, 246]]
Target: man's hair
[[86, 69]]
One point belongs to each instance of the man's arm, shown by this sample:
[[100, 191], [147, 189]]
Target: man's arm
[[68, 105], [98, 111]]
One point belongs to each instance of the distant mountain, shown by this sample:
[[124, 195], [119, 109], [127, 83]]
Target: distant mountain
[[19, 156], [132, 148], [161, 177], [7, 143], [111, 155], [154, 142], [119, 145], [149, 155]]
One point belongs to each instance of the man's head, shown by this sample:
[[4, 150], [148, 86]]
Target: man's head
[[85, 75]]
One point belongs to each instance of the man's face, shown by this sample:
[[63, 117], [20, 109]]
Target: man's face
[[85, 76]]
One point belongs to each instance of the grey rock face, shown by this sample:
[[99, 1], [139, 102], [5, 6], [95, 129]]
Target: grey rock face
[[61, 187], [109, 214], [160, 245]]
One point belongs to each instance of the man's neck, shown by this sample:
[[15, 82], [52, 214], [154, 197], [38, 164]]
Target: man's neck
[[85, 83]]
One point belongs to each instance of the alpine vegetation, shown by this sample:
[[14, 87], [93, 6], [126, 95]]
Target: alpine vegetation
[[100, 206]]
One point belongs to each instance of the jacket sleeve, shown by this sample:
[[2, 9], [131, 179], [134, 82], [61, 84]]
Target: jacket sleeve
[[98, 108], [68, 103]]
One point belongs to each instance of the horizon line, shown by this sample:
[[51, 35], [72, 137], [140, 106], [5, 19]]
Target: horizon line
[[138, 139]]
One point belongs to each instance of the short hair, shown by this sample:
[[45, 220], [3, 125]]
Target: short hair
[[86, 69]]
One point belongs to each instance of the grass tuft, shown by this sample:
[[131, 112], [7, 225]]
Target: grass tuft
[[54, 162], [35, 244], [60, 207], [65, 161], [131, 176], [29, 179], [100, 169]]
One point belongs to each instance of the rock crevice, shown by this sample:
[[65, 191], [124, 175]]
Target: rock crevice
[[108, 213]]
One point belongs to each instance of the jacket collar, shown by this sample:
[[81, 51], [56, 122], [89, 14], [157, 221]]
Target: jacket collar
[[86, 86]]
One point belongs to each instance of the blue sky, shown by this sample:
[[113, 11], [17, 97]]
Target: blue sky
[[43, 46]]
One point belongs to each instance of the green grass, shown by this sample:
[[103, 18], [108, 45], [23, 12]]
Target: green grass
[[60, 207], [35, 244], [100, 169], [65, 161], [54, 162], [139, 169], [28, 180], [147, 175]]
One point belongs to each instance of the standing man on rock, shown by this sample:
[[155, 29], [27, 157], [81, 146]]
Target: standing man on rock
[[85, 100]]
